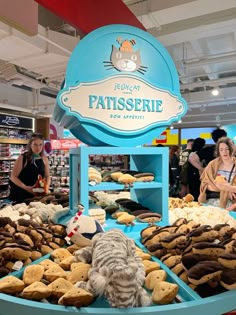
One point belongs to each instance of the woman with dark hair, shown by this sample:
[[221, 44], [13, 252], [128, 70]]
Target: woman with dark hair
[[193, 173], [27, 169], [218, 179]]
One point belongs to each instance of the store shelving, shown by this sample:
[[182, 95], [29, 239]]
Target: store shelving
[[153, 195]]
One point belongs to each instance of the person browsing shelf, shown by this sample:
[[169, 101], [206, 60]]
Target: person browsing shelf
[[27, 169], [201, 158], [218, 179]]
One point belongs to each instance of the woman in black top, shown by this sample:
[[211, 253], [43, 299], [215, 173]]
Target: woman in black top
[[27, 168], [193, 173]]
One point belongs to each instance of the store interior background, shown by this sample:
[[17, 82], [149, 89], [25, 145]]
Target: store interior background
[[200, 36]]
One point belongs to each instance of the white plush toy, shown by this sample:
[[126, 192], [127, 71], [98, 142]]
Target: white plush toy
[[81, 229], [117, 271]]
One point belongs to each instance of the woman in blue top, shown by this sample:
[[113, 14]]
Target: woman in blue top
[[27, 168]]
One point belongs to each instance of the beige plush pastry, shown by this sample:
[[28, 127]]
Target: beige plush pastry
[[76, 297], [220, 179], [53, 273], [47, 263], [79, 274], [143, 255], [11, 285], [164, 292], [59, 254], [125, 218], [188, 198], [150, 266], [153, 277], [59, 287], [32, 274], [66, 263], [36, 291]]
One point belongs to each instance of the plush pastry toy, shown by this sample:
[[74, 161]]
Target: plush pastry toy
[[39, 187], [81, 229]]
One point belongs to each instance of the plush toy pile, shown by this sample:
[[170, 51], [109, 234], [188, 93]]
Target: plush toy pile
[[67, 280], [201, 255], [24, 241], [36, 211]]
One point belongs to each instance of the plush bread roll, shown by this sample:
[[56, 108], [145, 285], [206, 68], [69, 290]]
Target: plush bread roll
[[153, 277], [164, 292], [32, 274]]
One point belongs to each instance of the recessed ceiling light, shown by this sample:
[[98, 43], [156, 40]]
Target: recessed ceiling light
[[180, 121], [215, 92]]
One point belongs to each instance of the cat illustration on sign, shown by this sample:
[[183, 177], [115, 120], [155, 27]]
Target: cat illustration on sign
[[125, 58]]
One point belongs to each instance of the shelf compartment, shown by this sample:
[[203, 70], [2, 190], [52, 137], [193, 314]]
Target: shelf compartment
[[153, 195]]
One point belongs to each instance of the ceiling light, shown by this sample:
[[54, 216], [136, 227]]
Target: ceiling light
[[215, 92], [180, 121], [171, 127]]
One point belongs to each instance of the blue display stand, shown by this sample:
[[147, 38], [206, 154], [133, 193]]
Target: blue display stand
[[153, 195]]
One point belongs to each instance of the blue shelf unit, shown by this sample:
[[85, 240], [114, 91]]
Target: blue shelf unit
[[153, 195]]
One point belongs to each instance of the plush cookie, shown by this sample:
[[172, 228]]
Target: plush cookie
[[148, 231], [171, 260], [191, 260], [228, 279], [228, 260], [150, 266], [156, 236], [143, 255], [125, 218], [149, 217], [32, 274], [66, 263], [59, 287], [36, 291], [79, 274], [14, 251], [76, 297], [60, 254], [157, 250], [47, 263], [172, 240], [188, 198], [211, 249], [204, 271], [224, 230], [53, 273], [164, 292], [153, 277], [205, 233], [11, 285]]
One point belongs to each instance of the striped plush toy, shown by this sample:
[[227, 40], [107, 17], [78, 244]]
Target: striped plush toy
[[117, 271]]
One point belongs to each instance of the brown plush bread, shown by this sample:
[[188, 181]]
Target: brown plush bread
[[228, 279], [204, 271]]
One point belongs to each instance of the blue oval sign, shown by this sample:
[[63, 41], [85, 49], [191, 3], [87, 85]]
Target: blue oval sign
[[121, 88]]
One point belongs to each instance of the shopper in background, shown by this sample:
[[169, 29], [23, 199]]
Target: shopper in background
[[183, 159], [193, 173], [27, 168], [220, 190], [184, 155], [174, 170], [201, 158]]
